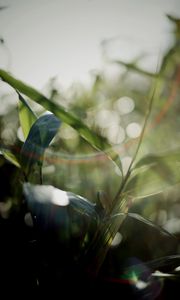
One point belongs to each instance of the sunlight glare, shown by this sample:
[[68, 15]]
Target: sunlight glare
[[117, 239], [20, 135], [59, 197], [126, 161]]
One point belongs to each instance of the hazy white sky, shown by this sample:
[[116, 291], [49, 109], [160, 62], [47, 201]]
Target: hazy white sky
[[62, 37]]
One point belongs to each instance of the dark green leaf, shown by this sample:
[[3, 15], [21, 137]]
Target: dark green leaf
[[142, 242], [70, 216], [38, 195], [93, 138], [40, 135]]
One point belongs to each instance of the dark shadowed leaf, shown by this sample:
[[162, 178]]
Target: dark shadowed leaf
[[142, 243], [39, 138], [165, 263], [143, 238], [67, 216], [91, 137], [149, 224]]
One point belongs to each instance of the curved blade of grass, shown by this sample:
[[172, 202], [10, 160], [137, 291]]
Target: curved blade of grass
[[165, 264], [95, 140], [148, 160], [168, 263], [148, 223], [39, 138], [11, 153], [10, 157], [26, 116], [153, 174]]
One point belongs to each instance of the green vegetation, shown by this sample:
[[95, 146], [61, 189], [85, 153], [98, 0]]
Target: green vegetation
[[117, 145]]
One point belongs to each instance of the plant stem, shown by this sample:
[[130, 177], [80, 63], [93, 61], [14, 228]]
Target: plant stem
[[107, 231], [124, 181]]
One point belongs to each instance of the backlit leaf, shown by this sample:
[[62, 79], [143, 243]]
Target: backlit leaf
[[39, 138], [26, 116], [10, 157]]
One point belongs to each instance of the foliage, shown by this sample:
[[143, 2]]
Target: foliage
[[76, 148]]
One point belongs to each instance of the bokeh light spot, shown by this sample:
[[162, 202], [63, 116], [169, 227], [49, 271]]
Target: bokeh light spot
[[117, 239], [124, 105], [115, 134], [133, 130]]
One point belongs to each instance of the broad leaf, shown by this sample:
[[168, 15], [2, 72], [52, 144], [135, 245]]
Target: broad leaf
[[91, 137], [26, 116], [67, 216], [39, 138], [153, 174]]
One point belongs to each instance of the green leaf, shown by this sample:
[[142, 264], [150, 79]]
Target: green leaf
[[10, 157], [153, 174], [91, 137], [49, 196], [39, 138], [26, 116]]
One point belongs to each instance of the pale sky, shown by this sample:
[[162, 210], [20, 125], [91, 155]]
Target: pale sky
[[63, 37]]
